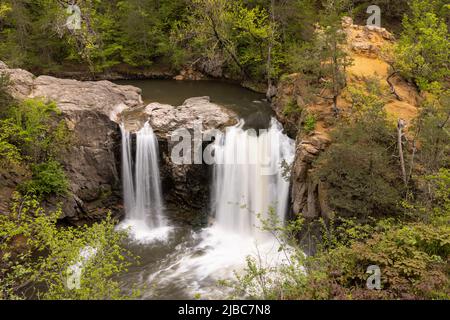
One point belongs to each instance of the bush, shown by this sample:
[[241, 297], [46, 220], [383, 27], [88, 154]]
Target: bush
[[31, 136], [361, 176], [48, 178], [413, 258], [37, 254], [10, 153], [291, 108], [5, 98], [309, 124]]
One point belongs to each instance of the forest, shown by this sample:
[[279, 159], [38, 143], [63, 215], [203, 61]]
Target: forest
[[365, 183]]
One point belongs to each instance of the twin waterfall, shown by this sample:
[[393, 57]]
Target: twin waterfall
[[248, 178]]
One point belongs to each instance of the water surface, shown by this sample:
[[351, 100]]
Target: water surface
[[250, 105]]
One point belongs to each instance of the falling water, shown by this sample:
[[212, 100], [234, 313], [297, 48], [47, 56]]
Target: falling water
[[148, 182], [249, 179], [129, 196], [142, 195]]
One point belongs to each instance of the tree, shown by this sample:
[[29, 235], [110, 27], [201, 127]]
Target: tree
[[38, 256], [423, 52], [334, 59], [228, 31], [323, 60]]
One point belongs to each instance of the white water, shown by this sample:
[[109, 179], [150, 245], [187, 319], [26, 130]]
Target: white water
[[142, 195], [127, 171], [248, 180]]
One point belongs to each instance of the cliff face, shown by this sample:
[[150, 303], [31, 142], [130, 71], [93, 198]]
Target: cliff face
[[92, 160], [365, 47]]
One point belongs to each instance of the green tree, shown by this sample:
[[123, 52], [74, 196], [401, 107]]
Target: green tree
[[323, 59], [423, 52], [240, 36], [37, 256], [360, 172]]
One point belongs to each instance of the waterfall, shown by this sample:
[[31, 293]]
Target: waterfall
[[249, 177], [142, 195], [248, 180], [129, 196], [148, 183]]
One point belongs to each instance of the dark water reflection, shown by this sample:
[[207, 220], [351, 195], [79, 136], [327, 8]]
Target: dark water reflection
[[249, 105]]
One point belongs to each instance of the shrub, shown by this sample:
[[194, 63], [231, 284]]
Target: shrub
[[309, 124], [413, 259], [47, 178], [37, 254], [291, 108], [5, 98], [361, 176], [10, 153]]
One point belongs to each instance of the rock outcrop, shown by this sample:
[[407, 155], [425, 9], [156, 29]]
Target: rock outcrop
[[293, 103], [309, 196], [186, 183], [92, 160], [92, 111]]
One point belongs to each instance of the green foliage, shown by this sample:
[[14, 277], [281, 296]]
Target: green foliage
[[10, 153], [229, 31], [31, 136], [5, 98], [47, 178], [30, 35], [36, 256], [412, 256], [431, 127], [440, 186], [423, 52], [291, 108], [323, 59], [31, 128], [361, 174], [309, 124], [134, 32]]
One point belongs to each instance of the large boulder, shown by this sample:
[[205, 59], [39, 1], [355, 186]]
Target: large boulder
[[187, 183]]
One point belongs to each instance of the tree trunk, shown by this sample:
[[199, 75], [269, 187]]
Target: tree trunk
[[400, 126], [270, 90], [224, 45]]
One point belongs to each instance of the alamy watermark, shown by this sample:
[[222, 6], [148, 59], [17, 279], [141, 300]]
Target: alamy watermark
[[73, 22], [75, 271], [374, 281], [374, 19], [187, 147]]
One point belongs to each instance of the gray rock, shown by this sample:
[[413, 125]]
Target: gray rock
[[90, 110], [186, 184]]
